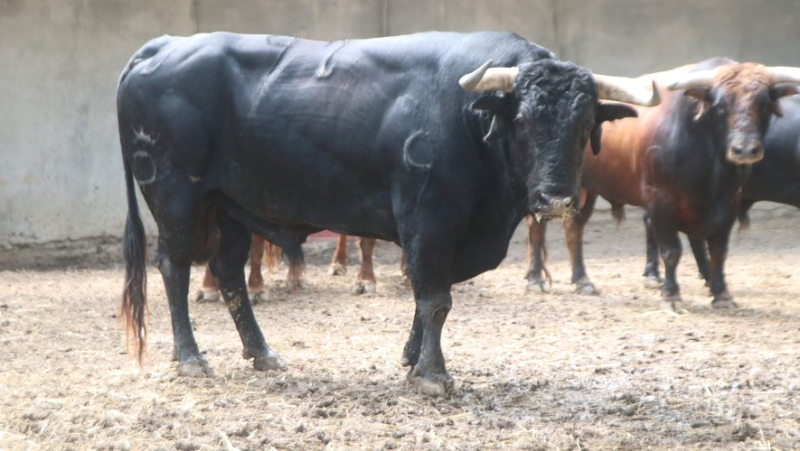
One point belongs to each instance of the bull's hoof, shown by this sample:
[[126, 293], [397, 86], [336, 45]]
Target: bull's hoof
[[724, 301], [433, 385], [673, 303], [652, 281], [195, 367], [269, 362], [585, 286], [295, 286], [363, 287], [337, 269], [207, 296], [257, 297], [537, 286]]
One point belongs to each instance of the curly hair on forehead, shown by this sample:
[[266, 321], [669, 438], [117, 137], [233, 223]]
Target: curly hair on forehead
[[743, 77]]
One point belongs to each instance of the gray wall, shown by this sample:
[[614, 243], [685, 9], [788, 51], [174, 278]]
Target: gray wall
[[60, 172]]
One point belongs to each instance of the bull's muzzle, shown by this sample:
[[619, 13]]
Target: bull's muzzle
[[546, 207], [745, 153]]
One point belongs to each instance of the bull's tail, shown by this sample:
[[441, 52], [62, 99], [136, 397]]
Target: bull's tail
[[133, 309], [272, 256], [744, 220]]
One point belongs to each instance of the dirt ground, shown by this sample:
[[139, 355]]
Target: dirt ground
[[555, 371]]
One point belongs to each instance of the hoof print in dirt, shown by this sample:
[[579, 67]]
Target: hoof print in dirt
[[195, 367], [439, 385], [337, 270], [207, 296], [673, 304], [257, 297], [364, 287]]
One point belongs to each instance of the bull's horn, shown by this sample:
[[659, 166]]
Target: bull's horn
[[628, 90], [494, 79], [698, 79], [784, 74]]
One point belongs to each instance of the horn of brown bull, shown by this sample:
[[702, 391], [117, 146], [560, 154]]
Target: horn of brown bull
[[784, 75], [620, 89], [704, 78]]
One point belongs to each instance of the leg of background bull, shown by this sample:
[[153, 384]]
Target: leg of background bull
[[536, 255], [184, 350], [366, 275], [698, 246], [665, 229], [718, 251], [209, 291], [651, 274], [573, 232], [403, 265], [228, 268], [255, 282], [339, 262]]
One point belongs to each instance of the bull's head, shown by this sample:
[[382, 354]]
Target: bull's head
[[737, 102], [550, 110]]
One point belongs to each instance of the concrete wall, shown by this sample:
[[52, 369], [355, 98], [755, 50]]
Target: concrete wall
[[60, 171]]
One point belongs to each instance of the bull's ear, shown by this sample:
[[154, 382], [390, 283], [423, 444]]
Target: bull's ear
[[776, 93], [612, 112], [492, 104], [701, 94], [595, 138]]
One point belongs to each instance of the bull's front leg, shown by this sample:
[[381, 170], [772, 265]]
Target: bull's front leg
[[718, 251], [573, 232], [698, 246], [428, 269], [537, 254]]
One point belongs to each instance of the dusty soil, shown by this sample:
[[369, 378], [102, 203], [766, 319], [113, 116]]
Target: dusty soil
[[532, 371]]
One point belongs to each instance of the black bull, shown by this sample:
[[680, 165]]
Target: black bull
[[231, 134]]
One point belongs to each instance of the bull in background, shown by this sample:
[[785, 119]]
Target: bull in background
[[397, 138], [776, 178], [685, 162]]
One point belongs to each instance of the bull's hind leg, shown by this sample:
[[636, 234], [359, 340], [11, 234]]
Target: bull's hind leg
[[573, 232], [537, 254], [175, 271], [228, 268], [665, 229]]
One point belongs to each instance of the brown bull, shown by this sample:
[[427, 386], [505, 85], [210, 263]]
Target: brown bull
[[684, 161]]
